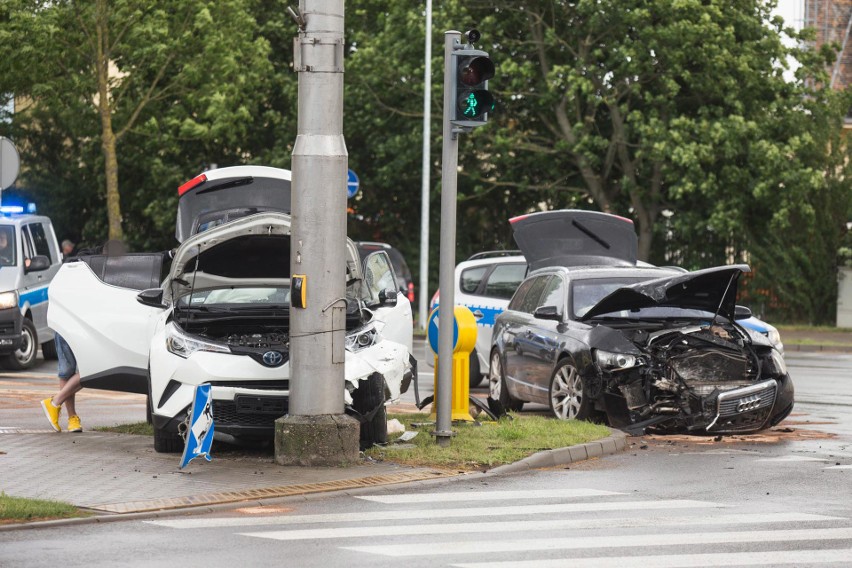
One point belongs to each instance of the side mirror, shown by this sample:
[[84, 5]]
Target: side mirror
[[388, 297], [37, 263], [548, 313], [151, 297], [742, 312]]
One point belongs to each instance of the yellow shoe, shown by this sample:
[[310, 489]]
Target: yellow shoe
[[74, 424], [52, 413]]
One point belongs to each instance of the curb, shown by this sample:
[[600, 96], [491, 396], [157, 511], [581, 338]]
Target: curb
[[614, 443]]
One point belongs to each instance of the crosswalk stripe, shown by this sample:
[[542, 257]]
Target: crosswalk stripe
[[485, 512], [609, 542], [458, 496], [763, 558], [546, 525]]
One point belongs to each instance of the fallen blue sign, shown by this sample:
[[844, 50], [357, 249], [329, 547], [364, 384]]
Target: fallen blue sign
[[199, 437]]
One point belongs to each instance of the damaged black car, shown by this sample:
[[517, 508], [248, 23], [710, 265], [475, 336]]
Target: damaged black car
[[596, 336]]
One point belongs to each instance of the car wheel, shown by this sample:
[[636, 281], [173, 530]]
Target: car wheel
[[48, 350], [568, 399], [475, 371], [166, 442], [499, 400], [25, 356], [369, 397]]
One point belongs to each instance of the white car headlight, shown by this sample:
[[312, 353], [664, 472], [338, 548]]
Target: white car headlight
[[773, 336], [615, 361], [184, 345], [361, 339], [778, 362], [9, 300]]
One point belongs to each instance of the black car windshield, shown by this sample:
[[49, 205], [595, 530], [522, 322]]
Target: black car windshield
[[587, 293]]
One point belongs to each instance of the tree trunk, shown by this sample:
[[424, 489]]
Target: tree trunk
[[108, 138]]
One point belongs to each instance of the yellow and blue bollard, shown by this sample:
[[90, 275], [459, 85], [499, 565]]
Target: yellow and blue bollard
[[464, 341]]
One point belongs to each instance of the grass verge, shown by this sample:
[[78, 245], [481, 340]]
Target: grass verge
[[484, 445], [22, 510], [476, 445]]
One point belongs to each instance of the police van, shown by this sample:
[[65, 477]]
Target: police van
[[29, 259]]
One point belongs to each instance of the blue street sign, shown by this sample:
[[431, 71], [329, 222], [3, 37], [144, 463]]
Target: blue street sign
[[351, 184], [199, 437], [432, 331]]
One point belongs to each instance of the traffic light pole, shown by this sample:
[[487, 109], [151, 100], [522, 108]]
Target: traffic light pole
[[447, 263]]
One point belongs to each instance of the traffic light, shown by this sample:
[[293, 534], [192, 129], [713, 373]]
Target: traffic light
[[473, 101]]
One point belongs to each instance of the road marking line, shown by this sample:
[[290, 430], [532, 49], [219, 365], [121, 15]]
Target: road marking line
[[609, 542], [547, 525], [792, 459], [457, 496], [466, 512], [839, 467], [764, 558]]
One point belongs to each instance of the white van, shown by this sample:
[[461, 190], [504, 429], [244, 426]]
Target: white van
[[29, 259]]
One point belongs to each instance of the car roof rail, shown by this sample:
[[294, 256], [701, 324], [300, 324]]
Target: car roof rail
[[495, 254]]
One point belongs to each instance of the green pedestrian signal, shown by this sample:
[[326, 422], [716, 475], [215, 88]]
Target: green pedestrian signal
[[472, 70]]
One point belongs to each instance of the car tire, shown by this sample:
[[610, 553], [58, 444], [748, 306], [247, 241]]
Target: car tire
[[567, 395], [369, 395], [48, 350], [475, 372], [25, 356], [499, 400], [166, 442]]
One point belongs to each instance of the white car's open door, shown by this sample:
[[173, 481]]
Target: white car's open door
[[94, 307]]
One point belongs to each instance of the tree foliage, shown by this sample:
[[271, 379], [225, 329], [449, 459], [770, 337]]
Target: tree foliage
[[680, 114]]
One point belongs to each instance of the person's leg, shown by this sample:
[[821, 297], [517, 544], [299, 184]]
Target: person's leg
[[69, 402], [69, 389]]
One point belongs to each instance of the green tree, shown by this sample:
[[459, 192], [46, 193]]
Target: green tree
[[107, 70]]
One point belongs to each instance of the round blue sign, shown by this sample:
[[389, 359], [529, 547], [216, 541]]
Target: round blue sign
[[432, 331], [351, 184]]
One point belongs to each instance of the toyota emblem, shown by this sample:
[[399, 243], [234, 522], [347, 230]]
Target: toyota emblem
[[272, 358]]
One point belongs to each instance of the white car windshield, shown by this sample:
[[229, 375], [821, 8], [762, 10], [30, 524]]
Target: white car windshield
[[278, 296]]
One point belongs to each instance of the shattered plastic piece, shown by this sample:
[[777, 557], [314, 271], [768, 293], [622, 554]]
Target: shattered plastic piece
[[395, 426], [407, 436]]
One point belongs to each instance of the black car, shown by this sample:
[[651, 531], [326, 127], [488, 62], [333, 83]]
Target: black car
[[596, 337]]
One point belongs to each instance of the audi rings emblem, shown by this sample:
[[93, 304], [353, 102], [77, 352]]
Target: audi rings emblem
[[748, 403], [272, 358]]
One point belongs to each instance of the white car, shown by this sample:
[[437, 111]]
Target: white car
[[221, 316], [485, 283]]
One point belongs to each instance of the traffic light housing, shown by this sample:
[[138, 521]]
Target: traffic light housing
[[473, 101]]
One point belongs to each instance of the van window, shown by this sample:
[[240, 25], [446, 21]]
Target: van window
[[40, 241], [504, 280], [7, 246], [471, 278]]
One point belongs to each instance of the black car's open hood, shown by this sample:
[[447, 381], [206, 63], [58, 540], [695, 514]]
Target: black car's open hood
[[572, 237], [712, 289]]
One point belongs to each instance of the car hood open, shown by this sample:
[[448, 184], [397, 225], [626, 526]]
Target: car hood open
[[572, 237], [253, 250], [711, 289]]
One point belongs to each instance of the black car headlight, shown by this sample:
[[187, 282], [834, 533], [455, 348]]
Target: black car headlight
[[184, 345], [774, 364], [361, 339], [610, 361]]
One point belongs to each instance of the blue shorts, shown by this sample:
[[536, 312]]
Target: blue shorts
[[67, 362]]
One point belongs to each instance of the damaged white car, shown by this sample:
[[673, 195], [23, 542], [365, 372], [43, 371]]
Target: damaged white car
[[221, 316]]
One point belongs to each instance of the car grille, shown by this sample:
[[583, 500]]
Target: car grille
[[249, 411], [744, 409], [280, 385]]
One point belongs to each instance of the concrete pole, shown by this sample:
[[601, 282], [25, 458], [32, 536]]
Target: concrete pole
[[317, 432], [424, 193], [447, 263]]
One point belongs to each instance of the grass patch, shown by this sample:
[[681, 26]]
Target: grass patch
[[479, 446], [19, 509], [138, 428]]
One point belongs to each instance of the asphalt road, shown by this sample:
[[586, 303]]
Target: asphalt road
[[779, 498]]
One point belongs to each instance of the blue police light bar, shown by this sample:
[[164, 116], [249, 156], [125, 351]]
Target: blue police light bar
[[31, 207], [11, 209]]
